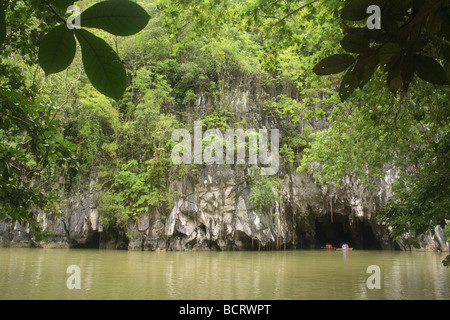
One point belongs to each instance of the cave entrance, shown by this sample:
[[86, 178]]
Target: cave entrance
[[92, 241], [368, 240], [336, 230], [333, 230]]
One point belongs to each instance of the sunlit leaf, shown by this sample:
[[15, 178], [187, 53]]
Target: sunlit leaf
[[102, 65], [121, 18], [57, 49], [333, 64]]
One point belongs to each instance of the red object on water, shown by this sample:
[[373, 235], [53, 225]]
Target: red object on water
[[329, 245]]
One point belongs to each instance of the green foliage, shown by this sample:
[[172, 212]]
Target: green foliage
[[288, 156], [137, 164], [447, 232], [408, 135], [421, 200], [218, 119], [295, 118], [368, 132], [112, 212], [94, 123], [235, 56], [265, 191], [27, 146], [446, 261], [411, 42], [33, 148]]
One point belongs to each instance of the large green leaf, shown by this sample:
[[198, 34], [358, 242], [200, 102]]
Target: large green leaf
[[119, 17], [61, 4], [333, 64], [408, 70], [102, 65], [348, 85], [365, 66], [430, 70], [355, 10], [354, 42], [57, 49], [388, 51]]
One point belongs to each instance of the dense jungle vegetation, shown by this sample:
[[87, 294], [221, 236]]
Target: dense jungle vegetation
[[104, 102]]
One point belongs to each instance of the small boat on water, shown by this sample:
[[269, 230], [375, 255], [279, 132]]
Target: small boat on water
[[330, 247], [344, 247]]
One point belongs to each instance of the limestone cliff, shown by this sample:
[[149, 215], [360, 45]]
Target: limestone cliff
[[212, 211]]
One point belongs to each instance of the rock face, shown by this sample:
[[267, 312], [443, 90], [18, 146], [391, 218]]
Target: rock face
[[80, 227], [213, 211]]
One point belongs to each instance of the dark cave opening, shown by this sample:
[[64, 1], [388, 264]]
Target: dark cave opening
[[336, 229], [335, 232], [111, 238], [93, 240], [368, 238]]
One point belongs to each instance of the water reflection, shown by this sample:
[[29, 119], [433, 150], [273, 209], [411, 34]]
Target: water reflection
[[41, 274]]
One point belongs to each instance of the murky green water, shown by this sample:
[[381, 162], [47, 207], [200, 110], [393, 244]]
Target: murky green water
[[42, 274]]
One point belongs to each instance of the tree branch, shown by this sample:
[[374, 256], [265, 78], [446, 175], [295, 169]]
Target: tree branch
[[54, 12], [293, 12]]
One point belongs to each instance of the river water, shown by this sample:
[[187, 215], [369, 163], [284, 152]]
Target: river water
[[317, 274]]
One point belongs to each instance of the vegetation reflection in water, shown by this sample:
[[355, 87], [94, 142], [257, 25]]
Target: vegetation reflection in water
[[42, 274]]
